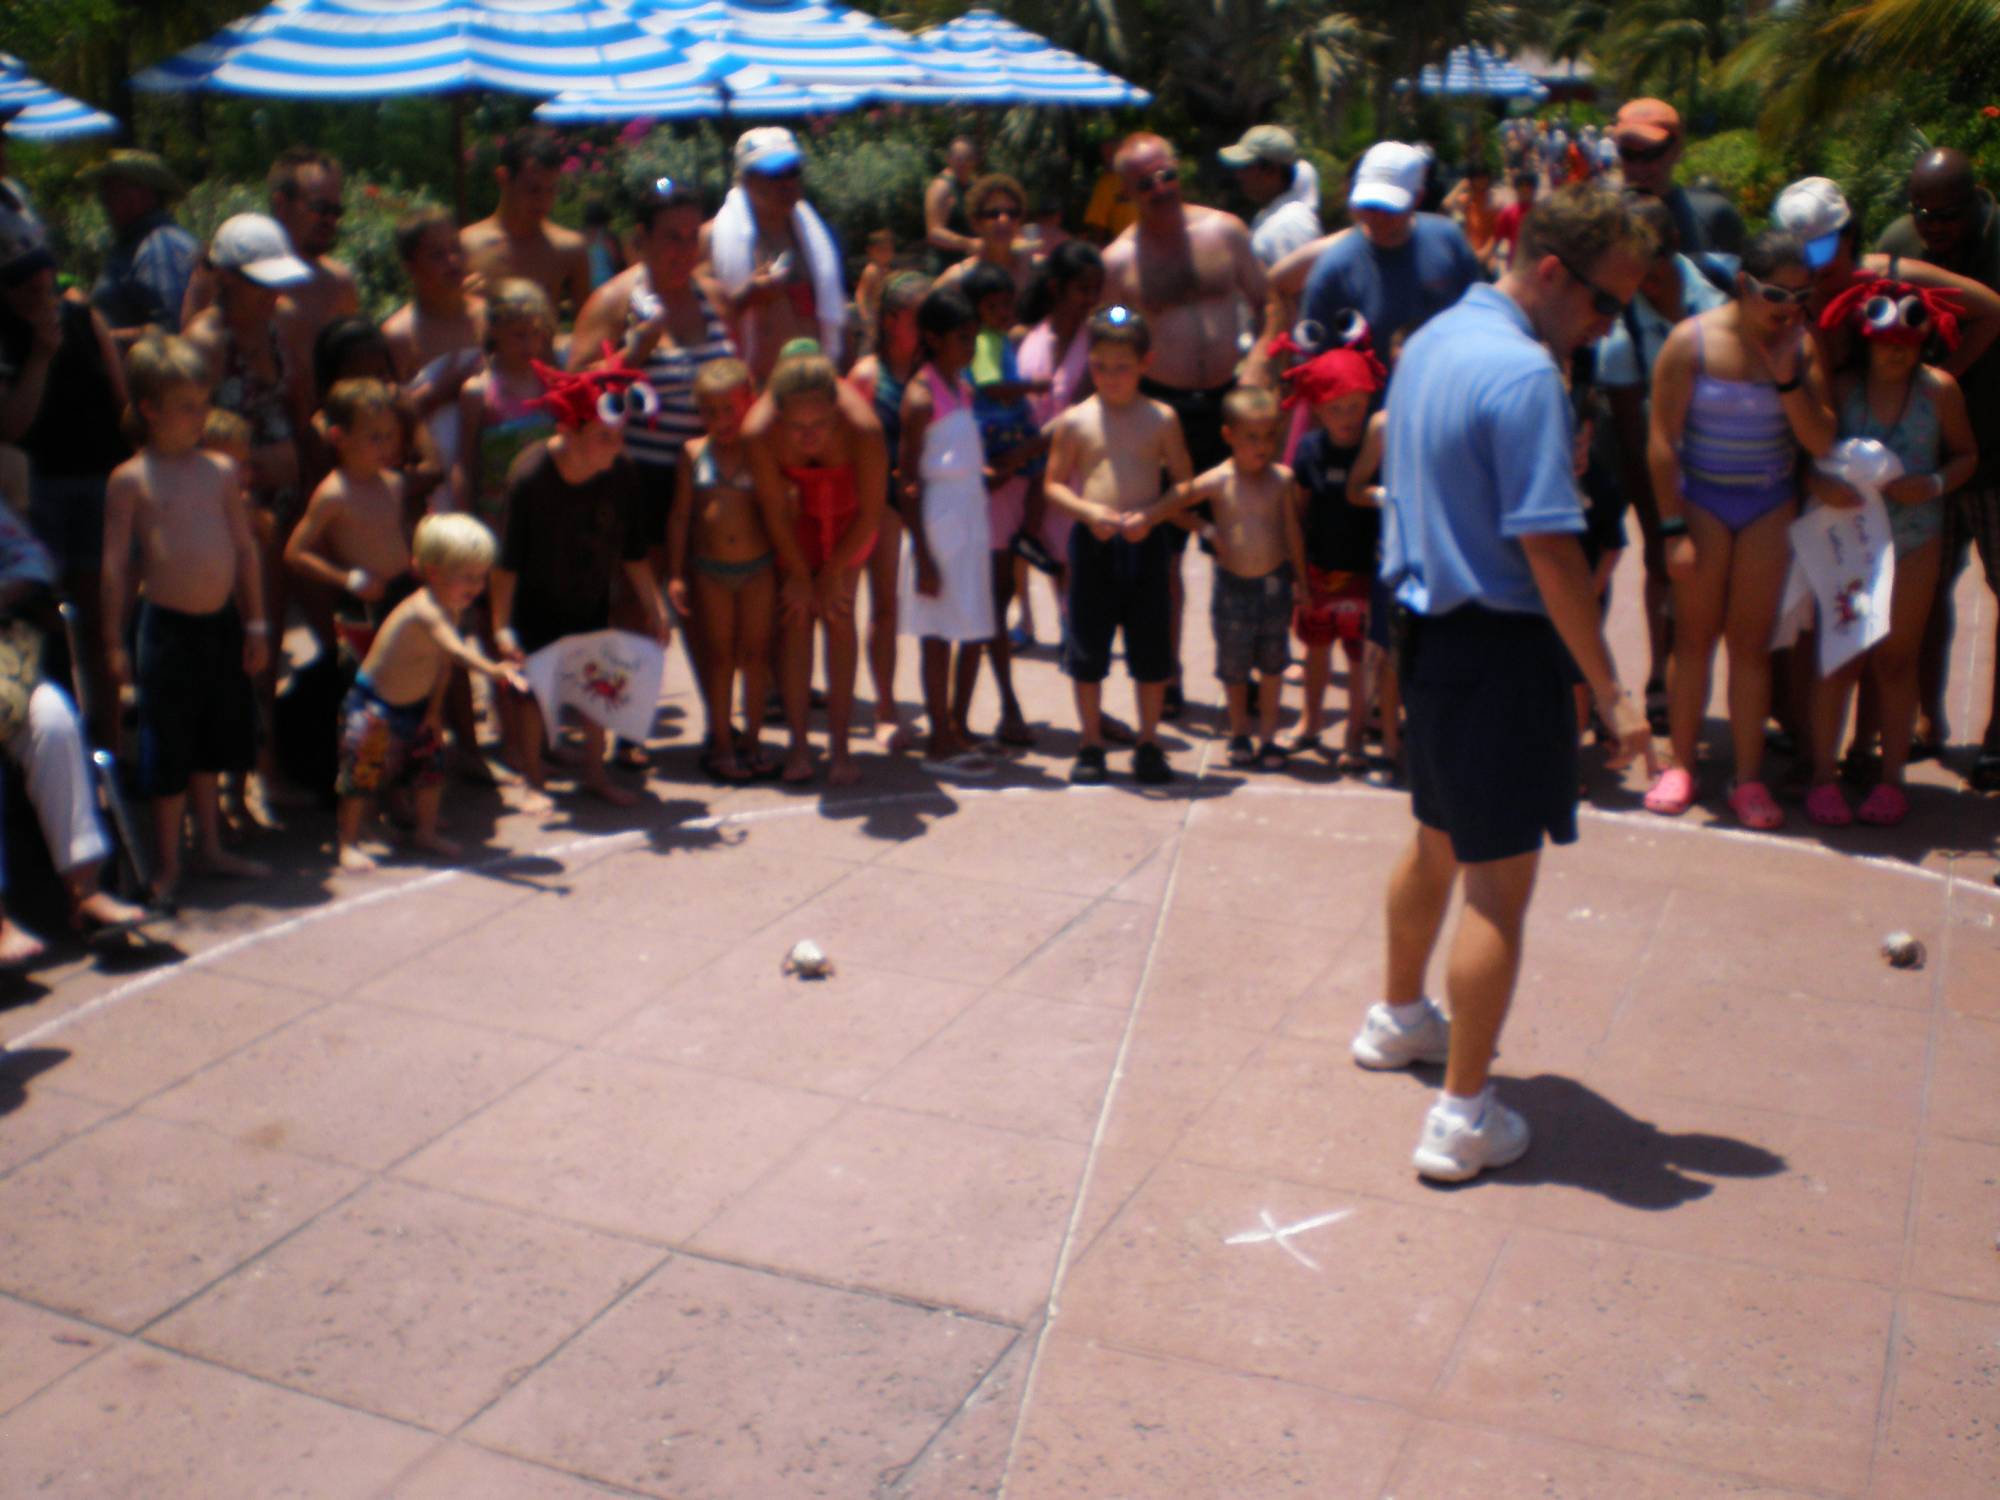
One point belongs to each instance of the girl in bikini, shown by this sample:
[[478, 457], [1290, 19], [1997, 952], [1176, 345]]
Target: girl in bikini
[[821, 472], [1916, 411], [719, 570], [1737, 392]]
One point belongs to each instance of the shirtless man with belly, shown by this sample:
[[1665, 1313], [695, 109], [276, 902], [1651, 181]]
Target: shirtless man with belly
[[1189, 270]]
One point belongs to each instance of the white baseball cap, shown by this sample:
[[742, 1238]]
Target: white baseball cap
[[255, 244], [1814, 209], [1390, 178], [768, 148]]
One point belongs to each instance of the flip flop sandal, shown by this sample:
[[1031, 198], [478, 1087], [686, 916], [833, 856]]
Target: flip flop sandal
[[1353, 762], [1271, 756], [966, 765], [1308, 744], [1827, 806], [1752, 804], [712, 769], [1884, 807], [1241, 751], [1672, 794]]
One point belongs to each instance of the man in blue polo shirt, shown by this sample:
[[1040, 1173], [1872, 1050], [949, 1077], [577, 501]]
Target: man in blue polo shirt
[[1480, 546], [1404, 267]]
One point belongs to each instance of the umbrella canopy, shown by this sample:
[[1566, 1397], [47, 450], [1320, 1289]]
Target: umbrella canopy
[[35, 112], [724, 86], [1475, 73], [1027, 68], [819, 43], [362, 49]]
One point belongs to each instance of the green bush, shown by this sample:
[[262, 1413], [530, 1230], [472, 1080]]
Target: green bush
[[1743, 170]]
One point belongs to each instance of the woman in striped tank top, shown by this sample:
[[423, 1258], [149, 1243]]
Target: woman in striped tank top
[[1738, 391], [662, 317]]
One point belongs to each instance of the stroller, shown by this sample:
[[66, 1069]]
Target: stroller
[[133, 877]]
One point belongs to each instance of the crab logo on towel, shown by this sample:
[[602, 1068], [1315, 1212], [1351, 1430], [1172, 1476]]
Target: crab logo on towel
[[610, 677]]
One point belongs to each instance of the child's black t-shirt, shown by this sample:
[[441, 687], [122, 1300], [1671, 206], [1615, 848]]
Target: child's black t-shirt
[[565, 544], [1340, 538]]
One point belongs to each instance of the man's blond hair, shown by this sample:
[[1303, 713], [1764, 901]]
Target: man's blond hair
[[454, 541]]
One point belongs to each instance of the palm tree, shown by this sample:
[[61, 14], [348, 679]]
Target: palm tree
[[1818, 58], [1667, 45]]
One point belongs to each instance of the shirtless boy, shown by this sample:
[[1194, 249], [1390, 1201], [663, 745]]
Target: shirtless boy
[[719, 568], [1105, 461], [1261, 567], [351, 539], [182, 509], [438, 337], [518, 239], [389, 722]]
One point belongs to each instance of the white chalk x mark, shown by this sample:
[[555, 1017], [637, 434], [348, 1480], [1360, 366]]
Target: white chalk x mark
[[1281, 1235]]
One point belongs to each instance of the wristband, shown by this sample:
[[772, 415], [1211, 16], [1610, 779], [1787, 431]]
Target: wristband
[[1673, 526], [357, 580], [1786, 387], [257, 627]]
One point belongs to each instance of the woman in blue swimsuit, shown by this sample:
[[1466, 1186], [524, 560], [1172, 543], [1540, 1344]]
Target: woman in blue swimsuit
[[1737, 392], [1918, 412]]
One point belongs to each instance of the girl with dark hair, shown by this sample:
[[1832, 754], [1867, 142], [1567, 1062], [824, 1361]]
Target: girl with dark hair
[[947, 584], [1737, 392], [1069, 284]]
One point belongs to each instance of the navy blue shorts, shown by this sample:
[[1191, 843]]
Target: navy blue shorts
[[1492, 731], [1120, 585]]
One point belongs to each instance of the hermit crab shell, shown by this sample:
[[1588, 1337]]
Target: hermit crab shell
[[1903, 951], [808, 960]]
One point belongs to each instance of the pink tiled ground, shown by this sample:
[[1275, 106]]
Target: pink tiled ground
[[541, 1180]]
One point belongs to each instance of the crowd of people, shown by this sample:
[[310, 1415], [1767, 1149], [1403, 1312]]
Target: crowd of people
[[696, 425]]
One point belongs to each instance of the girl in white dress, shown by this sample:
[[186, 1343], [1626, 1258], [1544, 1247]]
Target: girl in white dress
[[946, 592]]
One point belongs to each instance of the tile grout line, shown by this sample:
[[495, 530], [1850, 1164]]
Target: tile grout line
[[1052, 1308], [1891, 1354], [888, 1488]]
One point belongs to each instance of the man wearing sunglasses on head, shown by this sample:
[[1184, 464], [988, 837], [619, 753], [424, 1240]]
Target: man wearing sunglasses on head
[[1953, 224], [1650, 141], [1192, 272]]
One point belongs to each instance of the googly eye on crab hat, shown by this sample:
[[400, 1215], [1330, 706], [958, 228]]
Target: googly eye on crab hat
[[610, 393], [638, 402], [1347, 330], [1898, 312]]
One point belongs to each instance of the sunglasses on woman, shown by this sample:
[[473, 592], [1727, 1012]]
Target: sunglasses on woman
[[1779, 296]]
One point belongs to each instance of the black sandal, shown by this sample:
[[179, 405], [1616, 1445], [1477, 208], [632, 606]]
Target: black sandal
[[1149, 765], [1089, 768], [1271, 756], [1242, 752]]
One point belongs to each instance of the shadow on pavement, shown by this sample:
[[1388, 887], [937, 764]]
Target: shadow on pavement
[[19, 1069], [1583, 1140]]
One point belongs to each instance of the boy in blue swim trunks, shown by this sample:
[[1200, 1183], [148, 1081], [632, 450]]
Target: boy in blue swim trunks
[[389, 722]]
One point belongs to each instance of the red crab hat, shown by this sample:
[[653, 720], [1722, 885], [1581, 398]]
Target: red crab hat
[[612, 393], [1329, 376], [1895, 311]]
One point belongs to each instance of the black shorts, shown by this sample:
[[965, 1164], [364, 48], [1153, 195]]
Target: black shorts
[[197, 709], [656, 498], [1118, 585], [1200, 414], [1492, 731]]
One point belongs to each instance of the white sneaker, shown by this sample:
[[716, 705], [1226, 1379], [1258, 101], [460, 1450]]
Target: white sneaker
[[1452, 1151], [1381, 1043]]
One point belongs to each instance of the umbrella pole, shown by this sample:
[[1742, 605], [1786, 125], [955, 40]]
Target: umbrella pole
[[458, 155]]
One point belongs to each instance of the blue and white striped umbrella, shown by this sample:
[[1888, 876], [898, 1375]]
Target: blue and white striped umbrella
[[357, 49], [1475, 73], [822, 44], [723, 86], [1028, 69], [35, 112]]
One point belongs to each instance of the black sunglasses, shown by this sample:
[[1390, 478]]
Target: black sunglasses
[[326, 208], [1645, 154], [1603, 303], [1160, 178], [998, 213], [1949, 215]]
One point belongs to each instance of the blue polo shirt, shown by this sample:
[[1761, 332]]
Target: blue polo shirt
[[1477, 454], [1395, 290]]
